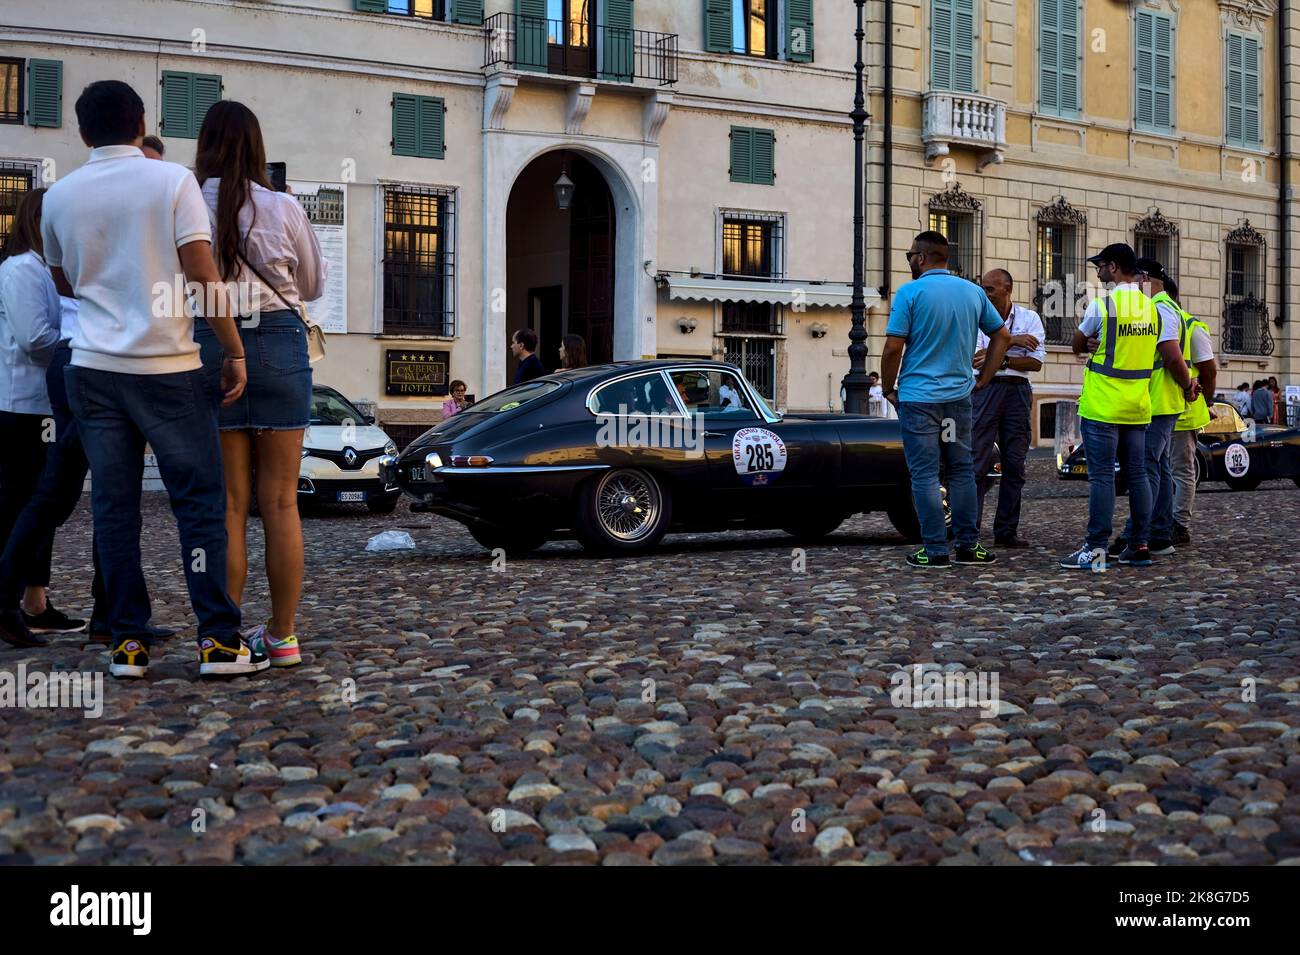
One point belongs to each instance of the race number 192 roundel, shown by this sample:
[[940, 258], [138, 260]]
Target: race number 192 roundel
[[759, 455], [1236, 460]]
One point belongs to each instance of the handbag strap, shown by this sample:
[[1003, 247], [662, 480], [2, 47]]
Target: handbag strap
[[297, 310]]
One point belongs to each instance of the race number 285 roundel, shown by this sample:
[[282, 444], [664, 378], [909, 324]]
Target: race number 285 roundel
[[759, 455], [1236, 460]]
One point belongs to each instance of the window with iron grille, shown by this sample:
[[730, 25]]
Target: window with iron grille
[[11, 90], [419, 261], [1245, 310], [1060, 266], [960, 217], [752, 248], [756, 357], [1155, 237], [16, 180]]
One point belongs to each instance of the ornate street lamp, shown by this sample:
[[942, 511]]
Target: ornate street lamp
[[856, 389]]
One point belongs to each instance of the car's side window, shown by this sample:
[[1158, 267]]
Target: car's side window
[[642, 394], [713, 393]]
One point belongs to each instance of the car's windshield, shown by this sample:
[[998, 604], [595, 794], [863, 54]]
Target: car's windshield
[[331, 408], [512, 398]]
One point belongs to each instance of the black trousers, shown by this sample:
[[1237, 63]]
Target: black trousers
[[57, 491], [1001, 413], [24, 438]]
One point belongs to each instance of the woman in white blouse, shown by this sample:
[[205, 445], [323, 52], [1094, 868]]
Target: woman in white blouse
[[265, 246]]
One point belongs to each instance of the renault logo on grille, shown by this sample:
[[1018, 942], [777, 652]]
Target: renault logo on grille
[[350, 456]]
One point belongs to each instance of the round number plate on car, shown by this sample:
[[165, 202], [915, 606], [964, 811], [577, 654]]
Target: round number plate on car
[[759, 455]]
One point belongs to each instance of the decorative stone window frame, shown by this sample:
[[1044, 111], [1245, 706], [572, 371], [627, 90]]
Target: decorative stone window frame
[[1059, 212], [1155, 225], [1235, 335], [954, 201], [1245, 16]]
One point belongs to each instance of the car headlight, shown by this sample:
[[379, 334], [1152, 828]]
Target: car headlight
[[390, 447]]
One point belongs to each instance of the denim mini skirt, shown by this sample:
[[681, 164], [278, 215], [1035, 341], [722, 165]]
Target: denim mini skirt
[[278, 396]]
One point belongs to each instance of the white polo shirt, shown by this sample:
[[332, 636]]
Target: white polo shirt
[[1021, 321], [114, 226]]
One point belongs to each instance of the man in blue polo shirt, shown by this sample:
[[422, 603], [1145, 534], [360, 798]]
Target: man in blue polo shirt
[[931, 333]]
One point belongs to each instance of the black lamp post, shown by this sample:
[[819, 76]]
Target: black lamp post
[[856, 389]]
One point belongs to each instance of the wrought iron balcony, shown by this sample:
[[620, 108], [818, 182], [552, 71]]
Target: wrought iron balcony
[[964, 119], [579, 49], [1245, 327]]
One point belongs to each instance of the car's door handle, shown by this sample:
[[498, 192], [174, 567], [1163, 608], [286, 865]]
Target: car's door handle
[[715, 434]]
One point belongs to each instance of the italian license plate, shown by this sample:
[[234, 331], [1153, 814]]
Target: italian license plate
[[349, 496], [1079, 469], [417, 474]]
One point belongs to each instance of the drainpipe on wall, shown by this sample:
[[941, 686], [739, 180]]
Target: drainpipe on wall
[[1284, 150], [887, 217]]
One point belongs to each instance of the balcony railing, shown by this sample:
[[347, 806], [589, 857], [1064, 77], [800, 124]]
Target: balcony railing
[[576, 48], [1245, 327], [964, 119]]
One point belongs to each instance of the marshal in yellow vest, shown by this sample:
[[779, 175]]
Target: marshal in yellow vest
[[1197, 415], [1166, 397], [1117, 378]]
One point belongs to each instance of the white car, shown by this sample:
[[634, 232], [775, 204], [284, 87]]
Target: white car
[[340, 456]]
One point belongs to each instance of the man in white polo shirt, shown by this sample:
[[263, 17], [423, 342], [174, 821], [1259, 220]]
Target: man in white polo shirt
[[122, 234]]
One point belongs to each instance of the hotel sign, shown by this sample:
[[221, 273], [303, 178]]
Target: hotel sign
[[421, 374]]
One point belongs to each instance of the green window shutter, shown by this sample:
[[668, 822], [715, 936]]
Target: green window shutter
[[1068, 57], [1049, 56], [963, 46], [717, 25], [177, 105], [1250, 134], [742, 154], [206, 91], [432, 112], [799, 30], [1163, 60], [1235, 90], [617, 41], [406, 125], [465, 11], [941, 12], [530, 35], [45, 92], [763, 142], [371, 6], [1154, 64]]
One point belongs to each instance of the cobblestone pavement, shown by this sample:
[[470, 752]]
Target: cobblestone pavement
[[706, 704]]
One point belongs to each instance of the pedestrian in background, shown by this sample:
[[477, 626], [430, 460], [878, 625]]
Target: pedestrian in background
[[264, 243], [456, 402], [573, 352], [1199, 353], [931, 335], [1261, 403], [115, 231], [29, 336], [1277, 400], [1001, 412], [153, 147], [1241, 399], [523, 345]]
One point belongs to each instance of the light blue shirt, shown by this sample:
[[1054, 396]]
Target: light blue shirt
[[29, 332], [938, 316]]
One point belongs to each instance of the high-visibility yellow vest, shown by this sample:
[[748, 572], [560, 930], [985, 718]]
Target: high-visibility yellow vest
[[1197, 415], [1117, 378], [1166, 397]]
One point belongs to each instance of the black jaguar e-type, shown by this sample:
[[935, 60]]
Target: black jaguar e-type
[[616, 455]]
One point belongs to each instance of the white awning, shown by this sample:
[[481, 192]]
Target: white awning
[[814, 294]]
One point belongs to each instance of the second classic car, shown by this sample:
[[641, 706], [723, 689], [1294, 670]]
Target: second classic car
[[616, 455]]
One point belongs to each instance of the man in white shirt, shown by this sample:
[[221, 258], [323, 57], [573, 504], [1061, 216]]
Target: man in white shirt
[[1002, 411], [123, 235], [1182, 450]]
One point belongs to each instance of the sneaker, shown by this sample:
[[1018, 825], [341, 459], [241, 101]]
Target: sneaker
[[1136, 556], [1085, 558], [282, 653], [130, 659], [923, 560], [1161, 548], [1182, 535], [219, 659], [14, 630], [1015, 542], [974, 555], [1117, 548], [51, 620]]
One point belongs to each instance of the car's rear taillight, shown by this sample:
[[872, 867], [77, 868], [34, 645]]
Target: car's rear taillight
[[470, 461]]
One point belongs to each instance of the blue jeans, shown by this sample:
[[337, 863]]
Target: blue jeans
[[176, 415], [1101, 442], [1160, 476], [935, 433]]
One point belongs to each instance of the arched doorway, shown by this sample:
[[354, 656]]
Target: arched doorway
[[560, 262]]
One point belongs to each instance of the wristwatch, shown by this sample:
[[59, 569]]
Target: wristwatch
[[1006, 363]]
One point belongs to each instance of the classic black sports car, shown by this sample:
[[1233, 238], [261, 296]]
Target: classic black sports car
[[1223, 453], [616, 455]]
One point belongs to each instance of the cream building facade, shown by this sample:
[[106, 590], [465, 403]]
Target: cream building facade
[[707, 152]]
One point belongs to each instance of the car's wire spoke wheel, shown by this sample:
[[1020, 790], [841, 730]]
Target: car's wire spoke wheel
[[628, 505]]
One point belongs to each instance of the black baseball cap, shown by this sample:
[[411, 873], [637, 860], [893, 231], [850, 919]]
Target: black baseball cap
[[1153, 268], [1121, 253]]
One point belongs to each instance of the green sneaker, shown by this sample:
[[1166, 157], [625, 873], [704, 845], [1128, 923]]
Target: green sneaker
[[974, 555], [925, 561]]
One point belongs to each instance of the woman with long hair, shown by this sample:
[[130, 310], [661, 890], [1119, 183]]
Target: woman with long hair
[[266, 249], [573, 352], [29, 337]]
